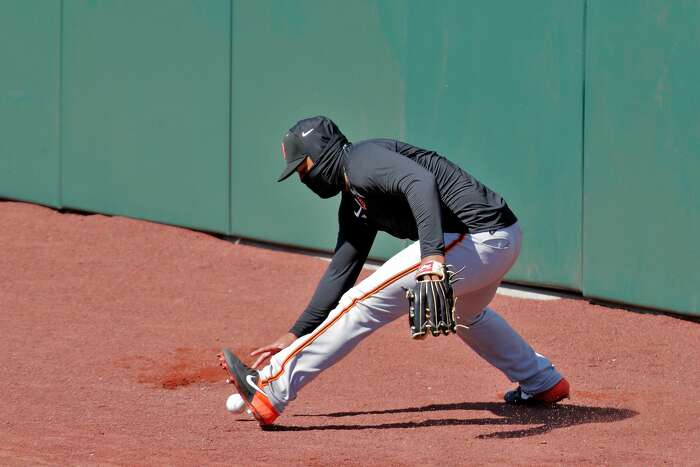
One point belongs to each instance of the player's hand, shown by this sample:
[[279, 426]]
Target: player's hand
[[428, 259], [267, 351]]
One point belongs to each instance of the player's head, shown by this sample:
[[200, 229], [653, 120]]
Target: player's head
[[313, 147]]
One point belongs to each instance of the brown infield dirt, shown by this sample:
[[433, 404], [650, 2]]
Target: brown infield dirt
[[111, 326]]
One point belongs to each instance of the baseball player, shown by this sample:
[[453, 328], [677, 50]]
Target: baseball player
[[466, 240]]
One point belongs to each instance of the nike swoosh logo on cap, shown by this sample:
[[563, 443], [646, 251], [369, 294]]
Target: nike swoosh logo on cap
[[304, 134]]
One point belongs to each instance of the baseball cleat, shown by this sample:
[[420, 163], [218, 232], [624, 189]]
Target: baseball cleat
[[246, 382], [556, 393]]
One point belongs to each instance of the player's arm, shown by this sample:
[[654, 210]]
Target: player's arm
[[394, 174], [431, 300]]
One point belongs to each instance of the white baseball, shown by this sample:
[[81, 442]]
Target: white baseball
[[235, 404]]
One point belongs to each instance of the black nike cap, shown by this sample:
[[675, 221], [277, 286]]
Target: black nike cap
[[306, 138]]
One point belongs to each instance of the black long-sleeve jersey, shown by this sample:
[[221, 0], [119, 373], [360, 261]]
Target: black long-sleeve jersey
[[407, 192]]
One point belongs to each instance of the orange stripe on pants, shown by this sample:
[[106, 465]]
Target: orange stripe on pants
[[314, 335]]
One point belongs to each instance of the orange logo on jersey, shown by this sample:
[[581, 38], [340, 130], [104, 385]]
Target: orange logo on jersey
[[361, 212]]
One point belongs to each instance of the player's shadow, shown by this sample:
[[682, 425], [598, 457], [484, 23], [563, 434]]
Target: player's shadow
[[541, 419]]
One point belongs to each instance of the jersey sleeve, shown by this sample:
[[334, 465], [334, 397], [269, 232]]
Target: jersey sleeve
[[389, 172], [352, 247]]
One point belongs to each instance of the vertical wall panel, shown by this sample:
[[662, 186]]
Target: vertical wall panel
[[294, 60], [146, 109], [642, 197], [29, 100], [497, 87]]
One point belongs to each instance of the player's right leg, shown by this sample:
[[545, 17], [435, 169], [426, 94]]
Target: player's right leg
[[493, 339], [487, 258]]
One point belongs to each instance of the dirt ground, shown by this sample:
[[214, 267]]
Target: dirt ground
[[110, 329]]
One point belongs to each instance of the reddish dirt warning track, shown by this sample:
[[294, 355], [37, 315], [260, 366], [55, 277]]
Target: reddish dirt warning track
[[110, 329]]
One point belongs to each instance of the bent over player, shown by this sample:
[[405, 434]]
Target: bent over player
[[467, 239]]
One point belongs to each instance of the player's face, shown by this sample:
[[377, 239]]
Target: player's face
[[305, 167]]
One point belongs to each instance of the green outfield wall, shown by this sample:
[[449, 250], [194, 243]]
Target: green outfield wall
[[582, 114]]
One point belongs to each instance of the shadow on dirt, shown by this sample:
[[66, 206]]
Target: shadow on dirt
[[544, 419]]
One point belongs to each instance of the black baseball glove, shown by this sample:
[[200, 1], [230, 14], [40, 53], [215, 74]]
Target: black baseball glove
[[431, 303]]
